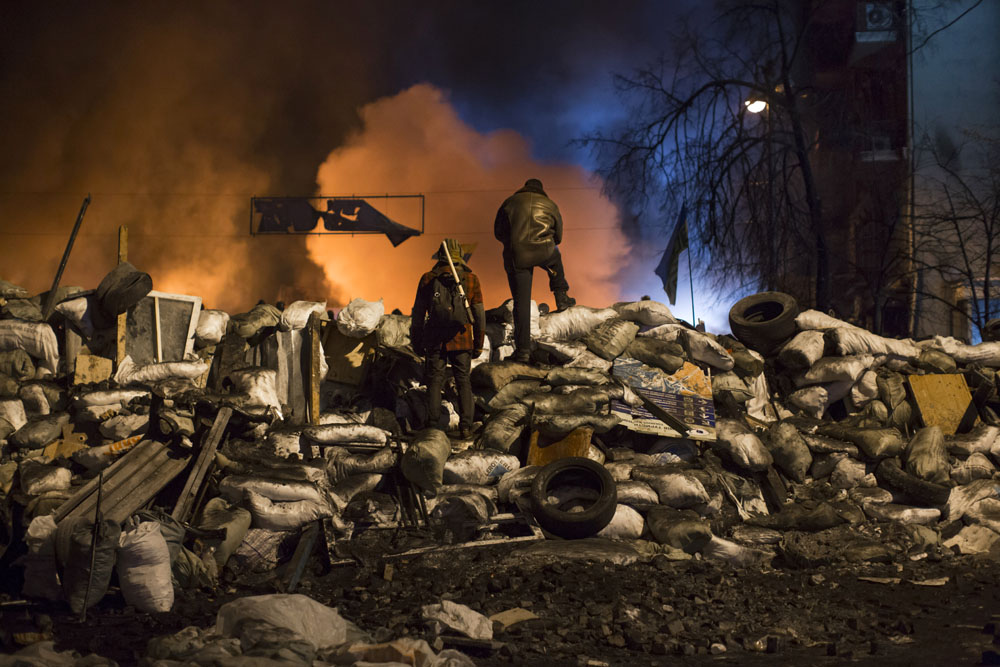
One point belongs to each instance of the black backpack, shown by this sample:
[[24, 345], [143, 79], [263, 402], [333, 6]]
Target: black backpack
[[446, 311]]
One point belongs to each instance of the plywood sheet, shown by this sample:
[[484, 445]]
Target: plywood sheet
[[942, 399]]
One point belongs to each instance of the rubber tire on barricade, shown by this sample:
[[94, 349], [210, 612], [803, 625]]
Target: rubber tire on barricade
[[919, 491], [582, 472], [764, 320]]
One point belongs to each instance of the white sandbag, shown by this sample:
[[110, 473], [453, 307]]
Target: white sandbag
[[478, 466], [925, 456], [921, 516], [257, 389], [319, 625], [292, 515], [344, 434], [129, 371], [342, 463], [985, 354], [974, 539], [735, 554], [814, 319], [803, 350], [759, 406], [79, 312], [516, 482], [41, 577], [633, 492], [836, 369], [211, 327], [122, 426], [626, 524], [34, 400], [295, 316], [394, 330], [850, 474], [423, 461], [670, 333], [458, 618], [741, 446], [12, 411], [848, 341], [789, 451], [610, 338], [573, 323], [143, 566], [977, 466], [232, 488], [9, 290], [985, 513], [359, 318], [815, 400], [35, 338], [118, 397], [702, 347], [38, 478], [865, 389], [980, 439], [588, 359], [961, 498], [504, 428], [646, 311], [674, 489]]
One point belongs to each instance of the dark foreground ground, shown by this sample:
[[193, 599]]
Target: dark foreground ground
[[656, 612]]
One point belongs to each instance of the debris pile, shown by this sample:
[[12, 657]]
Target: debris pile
[[230, 445]]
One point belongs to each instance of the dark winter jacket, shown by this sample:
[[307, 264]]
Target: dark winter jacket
[[529, 226], [425, 336]]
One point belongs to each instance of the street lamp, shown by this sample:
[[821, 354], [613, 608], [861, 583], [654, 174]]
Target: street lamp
[[755, 106]]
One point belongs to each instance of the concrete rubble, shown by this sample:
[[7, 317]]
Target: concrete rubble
[[290, 435]]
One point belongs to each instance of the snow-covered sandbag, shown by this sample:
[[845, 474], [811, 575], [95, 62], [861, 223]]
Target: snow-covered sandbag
[[122, 426], [850, 474], [661, 354], [557, 425], [211, 327], [12, 411], [41, 577], [120, 398], [515, 483], [458, 618], [732, 384], [849, 341], [229, 525], [803, 350], [985, 354], [573, 323], [341, 463], [609, 339], [626, 524], [962, 498], [359, 318], [144, 567], [560, 375], [495, 376], [633, 492], [731, 552], [323, 627], [977, 466], [741, 446], [873, 443], [295, 316], [129, 371], [815, 400], [17, 364], [38, 478], [678, 529], [580, 401], [292, 515], [346, 489], [345, 434], [985, 513], [561, 352], [504, 428], [394, 330], [86, 568], [926, 457], [814, 319], [588, 359], [35, 338], [423, 462], [789, 451], [905, 514], [35, 402], [980, 439], [80, 313], [836, 369], [261, 316], [865, 389], [232, 488], [479, 466], [674, 489], [256, 389], [96, 458], [646, 311], [702, 347], [39, 432]]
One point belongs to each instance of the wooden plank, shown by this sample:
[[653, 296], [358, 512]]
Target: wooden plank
[[544, 450], [111, 472], [941, 399], [206, 457], [313, 332], [122, 317], [303, 550]]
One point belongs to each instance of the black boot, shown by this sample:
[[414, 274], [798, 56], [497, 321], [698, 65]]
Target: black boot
[[563, 301]]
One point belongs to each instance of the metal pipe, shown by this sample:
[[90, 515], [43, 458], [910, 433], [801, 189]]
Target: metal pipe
[[51, 298]]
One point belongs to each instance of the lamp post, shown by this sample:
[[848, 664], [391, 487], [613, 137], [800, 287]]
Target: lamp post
[[756, 106]]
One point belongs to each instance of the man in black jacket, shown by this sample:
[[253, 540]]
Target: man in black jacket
[[530, 227]]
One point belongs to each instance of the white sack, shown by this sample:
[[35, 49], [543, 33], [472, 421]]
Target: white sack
[[626, 524], [848, 341], [143, 565], [742, 446], [836, 369], [572, 323], [12, 410], [35, 338], [292, 515], [296, 315], [814, 319], [319, 625], [211, 327], [648, 312], [129, 371], [803, 350], [987, 354], [359, 318], [78, 312]]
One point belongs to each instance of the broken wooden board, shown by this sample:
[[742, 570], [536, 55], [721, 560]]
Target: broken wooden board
[[65, 446], [315, 347], [941, 399], [206, 457], [91, 368], [544, 450], [348, 358]]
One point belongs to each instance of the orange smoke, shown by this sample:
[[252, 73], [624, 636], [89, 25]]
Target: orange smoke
[[414, 142]]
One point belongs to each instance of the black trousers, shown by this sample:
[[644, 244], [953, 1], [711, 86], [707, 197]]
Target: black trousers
[[437, 367], [520, 288]]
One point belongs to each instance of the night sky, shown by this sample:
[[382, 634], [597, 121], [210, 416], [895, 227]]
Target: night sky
[[173, 114]]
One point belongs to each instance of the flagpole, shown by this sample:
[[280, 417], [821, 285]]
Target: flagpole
[[694, 322]]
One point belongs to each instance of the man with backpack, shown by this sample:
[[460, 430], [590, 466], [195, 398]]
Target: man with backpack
[[448, 324], [529, 225]]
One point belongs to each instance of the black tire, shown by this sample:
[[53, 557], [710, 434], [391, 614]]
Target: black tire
[[577, 471], [918, 491], [764, 320], [122, 288]]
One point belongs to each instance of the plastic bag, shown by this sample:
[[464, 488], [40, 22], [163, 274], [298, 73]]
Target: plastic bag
[[296, 315], [359, 318], [211, 328], [144, 568]]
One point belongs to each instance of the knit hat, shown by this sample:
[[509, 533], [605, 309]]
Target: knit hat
[[455, 249], [533, 184]]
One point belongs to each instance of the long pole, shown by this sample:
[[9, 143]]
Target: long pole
[[454, 274], [50, 300], [694, 322]]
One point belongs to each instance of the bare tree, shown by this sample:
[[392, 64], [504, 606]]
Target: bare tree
[[958, 224], [746, 178]]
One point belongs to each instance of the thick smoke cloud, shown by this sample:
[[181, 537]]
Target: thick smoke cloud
[[415, 142]]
